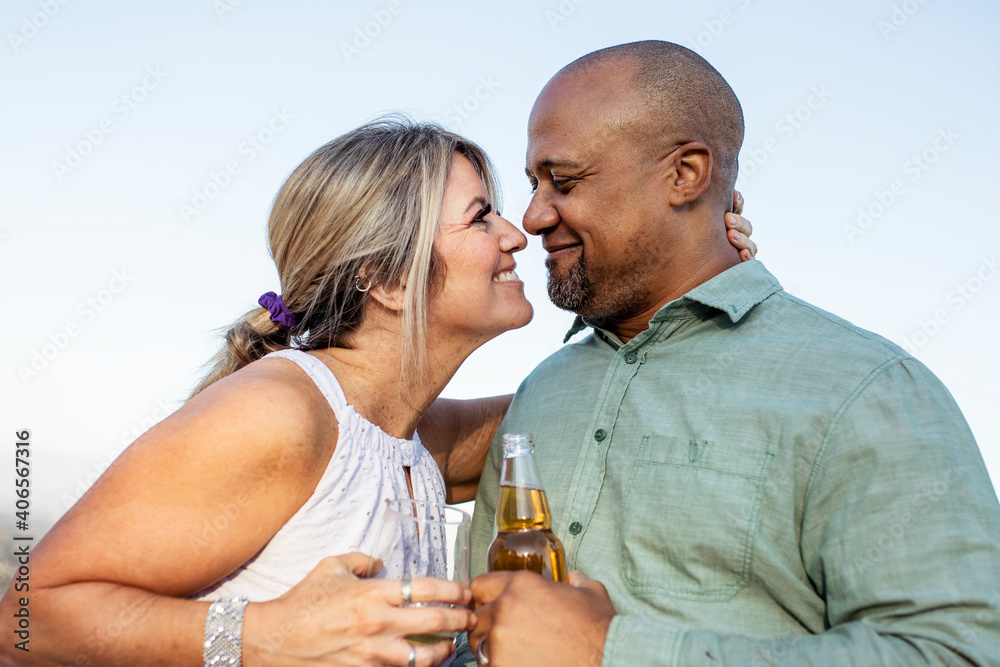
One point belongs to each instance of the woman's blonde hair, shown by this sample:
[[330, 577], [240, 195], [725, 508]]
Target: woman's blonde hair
[[361, 210]]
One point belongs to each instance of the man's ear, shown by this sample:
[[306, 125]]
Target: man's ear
[[691, 166]]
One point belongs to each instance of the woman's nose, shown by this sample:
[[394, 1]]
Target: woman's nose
[[511, 238]]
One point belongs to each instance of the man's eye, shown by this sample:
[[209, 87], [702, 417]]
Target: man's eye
[[560, 183]]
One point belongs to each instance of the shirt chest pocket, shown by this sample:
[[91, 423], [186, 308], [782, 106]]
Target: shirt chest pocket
[[692, 513]]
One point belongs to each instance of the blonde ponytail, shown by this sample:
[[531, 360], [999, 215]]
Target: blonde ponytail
[[248, 339]]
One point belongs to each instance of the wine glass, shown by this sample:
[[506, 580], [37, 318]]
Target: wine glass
[[424, 539]]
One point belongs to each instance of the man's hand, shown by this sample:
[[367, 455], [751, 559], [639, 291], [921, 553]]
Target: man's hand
[[527, 620]]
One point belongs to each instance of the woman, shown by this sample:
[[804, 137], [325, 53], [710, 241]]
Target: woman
[[394, 267]]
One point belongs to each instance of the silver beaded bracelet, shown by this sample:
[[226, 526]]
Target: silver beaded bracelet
[[224, 632]]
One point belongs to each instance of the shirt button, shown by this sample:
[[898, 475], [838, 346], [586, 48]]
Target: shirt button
[[575, 527], [630, 358], [600, 434]]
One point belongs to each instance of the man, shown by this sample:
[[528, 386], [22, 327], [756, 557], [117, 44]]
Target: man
[[753, 480]]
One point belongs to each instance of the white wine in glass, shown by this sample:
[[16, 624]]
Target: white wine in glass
[[427, 540]]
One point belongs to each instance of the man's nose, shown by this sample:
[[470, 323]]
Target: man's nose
[[540, 216]]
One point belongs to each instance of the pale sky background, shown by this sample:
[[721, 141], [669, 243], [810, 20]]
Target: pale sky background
[[117, 113]]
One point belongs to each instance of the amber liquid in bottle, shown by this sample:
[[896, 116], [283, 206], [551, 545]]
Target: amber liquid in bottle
[[524, 540]]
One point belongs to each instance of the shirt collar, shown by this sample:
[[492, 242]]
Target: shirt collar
[[735, 292]]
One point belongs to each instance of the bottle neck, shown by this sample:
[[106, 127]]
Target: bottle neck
[[522, 504], [519, 470]]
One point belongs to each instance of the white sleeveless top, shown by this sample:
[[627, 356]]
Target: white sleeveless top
[[345, 511]]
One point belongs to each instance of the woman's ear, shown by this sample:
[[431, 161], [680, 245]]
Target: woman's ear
[[390, 297]]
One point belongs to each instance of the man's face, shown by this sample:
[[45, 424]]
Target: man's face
[[597, 199]]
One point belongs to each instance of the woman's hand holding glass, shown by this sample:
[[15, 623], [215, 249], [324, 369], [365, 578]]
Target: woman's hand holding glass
[[338, 615], [424, 539]]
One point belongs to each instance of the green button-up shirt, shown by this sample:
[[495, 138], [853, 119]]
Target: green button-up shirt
[[758, 482]]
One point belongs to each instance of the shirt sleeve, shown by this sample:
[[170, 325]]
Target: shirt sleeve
[[900, 538]]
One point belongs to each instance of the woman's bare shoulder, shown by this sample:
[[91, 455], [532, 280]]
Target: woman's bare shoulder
[[272, 397]]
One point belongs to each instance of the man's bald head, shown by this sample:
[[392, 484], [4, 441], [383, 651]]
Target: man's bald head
[[679, 97]]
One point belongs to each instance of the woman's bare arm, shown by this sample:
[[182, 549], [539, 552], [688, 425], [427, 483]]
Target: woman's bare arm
[[458, 434], [184, 506], [190, 501]]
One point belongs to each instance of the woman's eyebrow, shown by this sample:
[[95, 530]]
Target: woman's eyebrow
[[481, 201]]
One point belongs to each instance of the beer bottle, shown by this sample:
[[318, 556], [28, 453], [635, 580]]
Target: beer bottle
[[524, 540]]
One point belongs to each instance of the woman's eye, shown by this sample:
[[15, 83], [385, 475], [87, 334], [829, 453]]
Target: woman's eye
[[481, 216]]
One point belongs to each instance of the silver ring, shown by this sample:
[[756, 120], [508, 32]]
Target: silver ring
[[483, 658], [413, 657], [407, 593]]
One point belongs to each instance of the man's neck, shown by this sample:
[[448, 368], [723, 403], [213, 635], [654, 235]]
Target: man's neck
[[697, 272]]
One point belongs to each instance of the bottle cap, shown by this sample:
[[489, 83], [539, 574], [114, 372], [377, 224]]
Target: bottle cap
[[517, 444]]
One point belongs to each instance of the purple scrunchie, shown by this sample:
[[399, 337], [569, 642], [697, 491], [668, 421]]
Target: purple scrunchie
[[280, 314]]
